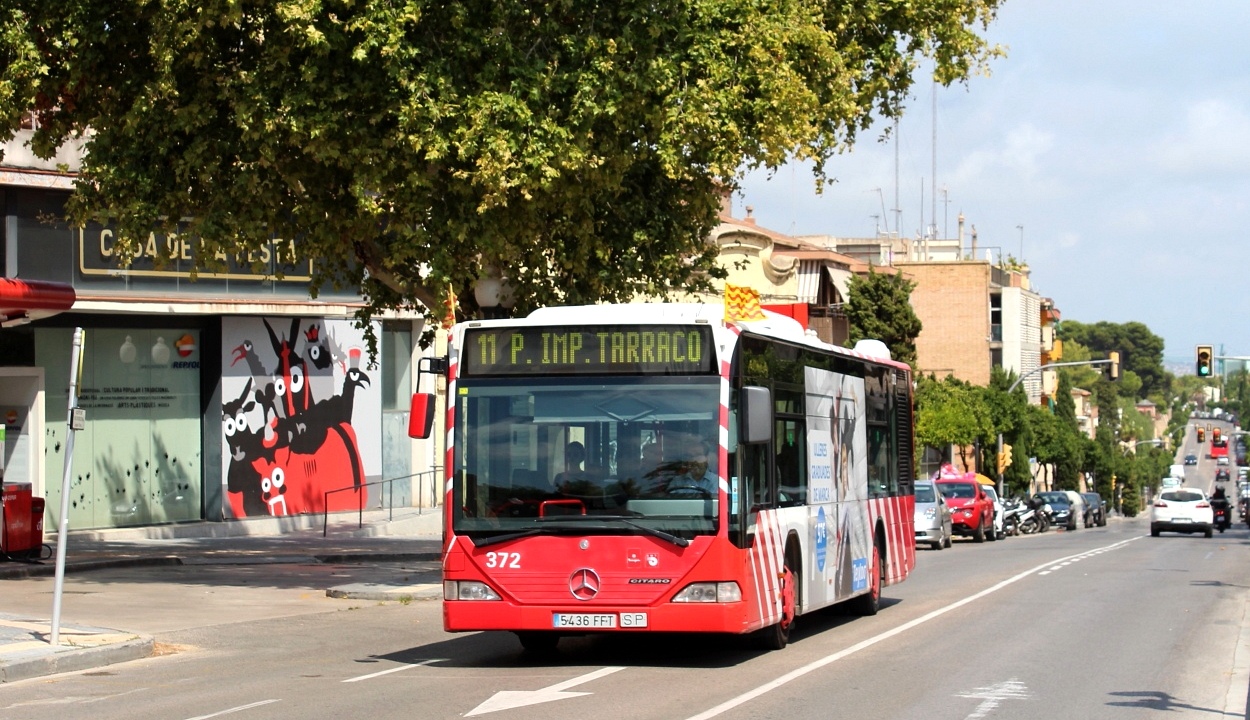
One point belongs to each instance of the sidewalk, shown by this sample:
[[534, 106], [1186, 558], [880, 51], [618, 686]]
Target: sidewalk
[[25, 649]]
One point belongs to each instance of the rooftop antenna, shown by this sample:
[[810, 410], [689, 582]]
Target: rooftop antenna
[[898, 211], [881, 196], [933, 175]]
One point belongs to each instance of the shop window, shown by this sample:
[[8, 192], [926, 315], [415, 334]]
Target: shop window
[[137, 461], [396, 365]]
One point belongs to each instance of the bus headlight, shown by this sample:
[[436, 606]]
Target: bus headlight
[[709, 592], [468, 590]]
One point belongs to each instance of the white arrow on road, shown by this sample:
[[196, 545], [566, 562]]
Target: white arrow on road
[[508, 699], [993, 695]]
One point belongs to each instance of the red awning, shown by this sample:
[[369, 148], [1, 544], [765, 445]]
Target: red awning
[[24, 300]]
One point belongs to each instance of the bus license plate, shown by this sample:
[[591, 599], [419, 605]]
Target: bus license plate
[[583, 620]]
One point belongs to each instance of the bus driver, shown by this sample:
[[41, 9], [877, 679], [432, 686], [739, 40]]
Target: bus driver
[[696, 474]]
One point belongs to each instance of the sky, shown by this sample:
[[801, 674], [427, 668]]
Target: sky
[[1110, 149]]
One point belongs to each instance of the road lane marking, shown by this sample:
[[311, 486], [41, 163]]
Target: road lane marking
[[370, 676], [864, 644], [991, 697], [249, 706], [508, 699]]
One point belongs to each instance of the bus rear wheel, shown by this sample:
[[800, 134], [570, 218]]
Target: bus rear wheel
[[870, 602], [776, 637]]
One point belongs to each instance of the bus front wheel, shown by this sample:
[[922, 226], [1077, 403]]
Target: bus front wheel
[[776, 637]]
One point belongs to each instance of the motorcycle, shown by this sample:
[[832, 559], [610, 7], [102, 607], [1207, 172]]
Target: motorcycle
[[1223, 519], [1012, 511], [1033, 518]]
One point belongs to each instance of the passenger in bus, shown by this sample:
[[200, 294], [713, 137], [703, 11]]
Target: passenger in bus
[[574, 456], [696, 472]]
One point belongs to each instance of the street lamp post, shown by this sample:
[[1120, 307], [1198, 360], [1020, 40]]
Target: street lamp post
[[493, 293]]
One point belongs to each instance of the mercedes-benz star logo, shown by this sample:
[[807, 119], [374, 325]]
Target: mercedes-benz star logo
[[584, 584]]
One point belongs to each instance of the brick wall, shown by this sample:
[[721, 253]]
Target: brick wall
[[952, 301]]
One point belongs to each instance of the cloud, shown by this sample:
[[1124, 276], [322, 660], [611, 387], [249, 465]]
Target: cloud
[[1213, 142]]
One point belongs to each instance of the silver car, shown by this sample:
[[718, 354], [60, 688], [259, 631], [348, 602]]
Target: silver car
[[933, 517]]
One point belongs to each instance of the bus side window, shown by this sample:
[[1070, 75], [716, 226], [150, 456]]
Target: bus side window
[[791, 461], [753, 463]]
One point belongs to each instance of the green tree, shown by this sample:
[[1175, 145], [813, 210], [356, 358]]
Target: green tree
[[1071, 441], [405, 145], [1141, 351], [878, 306], [1046, 439], [951, 412], [1008, 413]]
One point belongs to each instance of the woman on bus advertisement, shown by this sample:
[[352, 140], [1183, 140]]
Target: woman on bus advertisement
[[834, 406], [820, 478], [850, 471]]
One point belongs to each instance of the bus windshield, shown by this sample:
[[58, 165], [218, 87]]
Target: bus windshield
[[586, 455]]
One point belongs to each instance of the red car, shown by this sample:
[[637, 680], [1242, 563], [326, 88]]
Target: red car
[[972, 511]]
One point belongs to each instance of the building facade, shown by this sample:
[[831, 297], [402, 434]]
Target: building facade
[[222, 396]]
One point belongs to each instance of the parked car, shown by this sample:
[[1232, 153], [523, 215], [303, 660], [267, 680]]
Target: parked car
[[1000, 512], [1080, 508], [972, 511], [1191, 459], [1097, 508], [1184, 510], [933, 517], [1063, 514]]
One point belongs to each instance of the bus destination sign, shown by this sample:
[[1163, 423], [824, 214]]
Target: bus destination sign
[[589, 350]]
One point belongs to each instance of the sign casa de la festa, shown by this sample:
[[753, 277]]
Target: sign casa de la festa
[[178, 255]]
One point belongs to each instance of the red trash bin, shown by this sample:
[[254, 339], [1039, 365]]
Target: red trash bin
[[36, 526], [15, 529]]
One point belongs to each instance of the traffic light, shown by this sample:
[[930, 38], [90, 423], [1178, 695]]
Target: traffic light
[[1202, 435], [1205, 357], [1115, 365], [1004, 458]]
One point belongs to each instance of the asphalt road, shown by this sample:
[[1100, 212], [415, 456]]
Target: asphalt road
[[1100, 623]]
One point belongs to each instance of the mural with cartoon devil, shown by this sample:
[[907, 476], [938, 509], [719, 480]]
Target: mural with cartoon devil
[[291, 416]]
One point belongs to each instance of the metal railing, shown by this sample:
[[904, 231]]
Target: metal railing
[[390, 497]]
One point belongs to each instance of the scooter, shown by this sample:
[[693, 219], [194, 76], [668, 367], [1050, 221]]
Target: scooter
[[1223, 520], [1033, 518], [1012, 507]]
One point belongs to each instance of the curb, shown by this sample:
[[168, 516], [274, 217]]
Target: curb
[[387, 593], [45, 570], [62, 661]]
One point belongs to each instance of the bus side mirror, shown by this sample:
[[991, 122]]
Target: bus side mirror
[[421, 416], [755, 409]]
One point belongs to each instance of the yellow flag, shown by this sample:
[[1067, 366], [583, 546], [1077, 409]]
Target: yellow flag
[[742, 303], [449, 309]]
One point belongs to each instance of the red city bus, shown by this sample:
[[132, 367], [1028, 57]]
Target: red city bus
[[1219, 447], [652, 468]]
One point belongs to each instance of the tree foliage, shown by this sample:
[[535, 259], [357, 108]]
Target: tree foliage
[[878, 306], [1141, 351], [951, 412], [406, 144]]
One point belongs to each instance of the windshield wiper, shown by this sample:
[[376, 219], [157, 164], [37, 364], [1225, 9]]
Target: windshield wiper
[[576, 520], [506, 537], [678, 541], [667, 537]]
